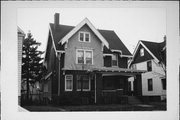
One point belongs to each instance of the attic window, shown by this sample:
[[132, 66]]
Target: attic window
[[84, 36], [142, 52]]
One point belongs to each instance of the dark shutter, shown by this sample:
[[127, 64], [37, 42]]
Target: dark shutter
[[107, 61]]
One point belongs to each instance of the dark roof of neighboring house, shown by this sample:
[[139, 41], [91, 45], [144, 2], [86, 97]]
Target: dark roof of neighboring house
[[111, 37], [154, 47]]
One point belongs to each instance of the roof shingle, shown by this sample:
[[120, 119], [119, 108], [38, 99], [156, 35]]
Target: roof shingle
[[114, 42]]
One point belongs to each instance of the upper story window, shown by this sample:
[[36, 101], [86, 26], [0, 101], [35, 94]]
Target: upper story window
[[84, 36], [114, 60], [84, 56], [149, 66], [68, 83], [142, 52]]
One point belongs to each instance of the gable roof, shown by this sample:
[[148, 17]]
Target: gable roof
[[153, 49], [110, 36], [82, 23], [114, 41]]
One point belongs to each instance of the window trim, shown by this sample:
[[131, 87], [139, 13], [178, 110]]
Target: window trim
[[112, 60], [84, 51], [84, 37], [142, 52], [148, 65], [66, 83], [148, 84], [84, 89]]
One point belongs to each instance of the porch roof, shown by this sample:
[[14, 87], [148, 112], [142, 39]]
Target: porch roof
[[118, 71], [107, 71]]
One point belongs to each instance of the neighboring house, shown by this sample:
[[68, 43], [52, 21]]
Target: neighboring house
[[21, 36], [151, 56], [86, 65]]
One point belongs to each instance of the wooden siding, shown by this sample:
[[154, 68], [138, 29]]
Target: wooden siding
[[73, 44], [122, 62], [138, 58]]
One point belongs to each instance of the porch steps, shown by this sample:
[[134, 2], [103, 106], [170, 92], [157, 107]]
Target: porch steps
[[133, 100]]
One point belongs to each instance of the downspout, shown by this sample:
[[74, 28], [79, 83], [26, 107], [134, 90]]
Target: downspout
[[59, 69], [95, 89]]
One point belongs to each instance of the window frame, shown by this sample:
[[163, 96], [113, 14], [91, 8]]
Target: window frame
[[80, 80], [164, 85], [66, 83], [142, 52], [84, 36], [112, 60], [149, 68], [84, 57], [150, 87]]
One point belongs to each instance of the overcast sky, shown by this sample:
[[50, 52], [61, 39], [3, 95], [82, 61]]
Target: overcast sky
[[130, 24]]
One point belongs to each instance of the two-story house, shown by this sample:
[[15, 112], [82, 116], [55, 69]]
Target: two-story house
[[151, 56], [86, 65]]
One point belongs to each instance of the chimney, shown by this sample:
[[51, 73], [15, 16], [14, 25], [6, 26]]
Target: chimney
[[56, 20]]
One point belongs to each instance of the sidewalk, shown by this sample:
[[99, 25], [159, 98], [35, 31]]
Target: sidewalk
[[111, 107]]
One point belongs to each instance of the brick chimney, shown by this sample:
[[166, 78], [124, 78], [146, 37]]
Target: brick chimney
[[56, 20]]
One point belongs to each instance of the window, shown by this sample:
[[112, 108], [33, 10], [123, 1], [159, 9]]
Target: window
[[81, 36], [88, 57], [84, 56], [149, 66], [114, 60], [163, 84], [68, 83], [84, 36], [80, 56], [150, 85], [84, 81], [142, 52]]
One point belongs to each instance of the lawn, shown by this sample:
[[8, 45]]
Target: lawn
[[110, 107]]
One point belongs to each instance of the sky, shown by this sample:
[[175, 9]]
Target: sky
[[130, 24]]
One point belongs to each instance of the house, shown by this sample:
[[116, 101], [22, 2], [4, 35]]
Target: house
[[20, 35], [151, 56], [86, 65]]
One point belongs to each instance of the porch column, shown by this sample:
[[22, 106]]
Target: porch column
[[138, 85], [98, 88]]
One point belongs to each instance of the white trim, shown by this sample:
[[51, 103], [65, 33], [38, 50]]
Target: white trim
[[61, 51], [84, 36], [126, 56], [116, 51], [116, 59], [71, 83], [82, 23], [84, 51], [107, 54]]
